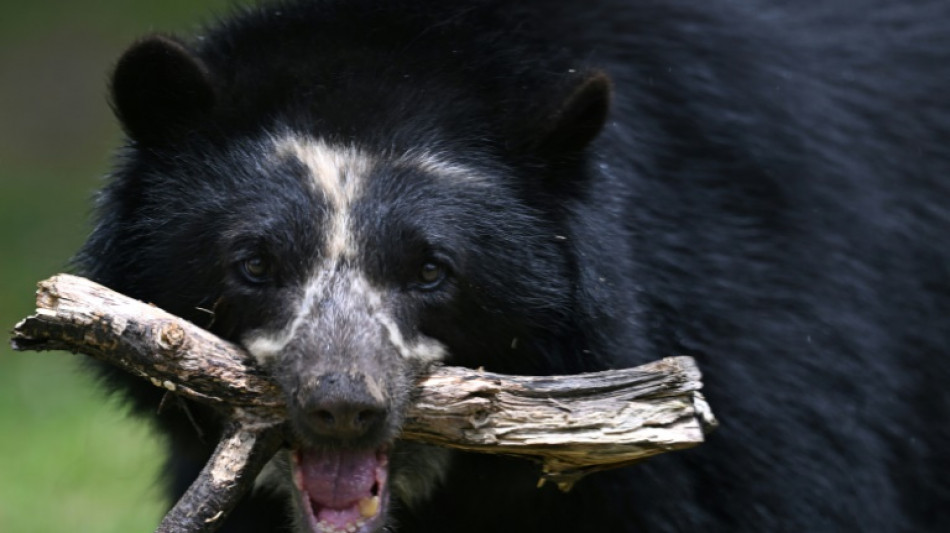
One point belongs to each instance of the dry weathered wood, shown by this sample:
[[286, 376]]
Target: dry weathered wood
[[78, 315], [243, 450], [573, 425]]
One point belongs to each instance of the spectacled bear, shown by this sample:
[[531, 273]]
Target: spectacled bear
[[353, 190]]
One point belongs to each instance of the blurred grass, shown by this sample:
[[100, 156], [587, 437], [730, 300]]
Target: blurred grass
[[70, 458]]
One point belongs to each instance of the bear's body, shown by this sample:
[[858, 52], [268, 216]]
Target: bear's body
[[358, 188]]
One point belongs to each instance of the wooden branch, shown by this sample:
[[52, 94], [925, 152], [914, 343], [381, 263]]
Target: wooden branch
[[573, 425], [244, 449]]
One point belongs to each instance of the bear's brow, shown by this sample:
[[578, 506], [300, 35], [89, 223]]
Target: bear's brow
[[337, 174]]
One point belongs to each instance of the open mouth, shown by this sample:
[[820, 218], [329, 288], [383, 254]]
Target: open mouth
[[342, 491]]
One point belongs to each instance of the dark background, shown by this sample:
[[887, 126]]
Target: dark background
[[70, 458]]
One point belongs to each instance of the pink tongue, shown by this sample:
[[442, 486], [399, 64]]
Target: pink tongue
[[338, 479]]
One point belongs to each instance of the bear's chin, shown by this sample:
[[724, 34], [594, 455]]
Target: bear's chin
[[341, 491]]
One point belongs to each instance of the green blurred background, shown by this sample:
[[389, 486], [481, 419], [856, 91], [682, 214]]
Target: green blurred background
[[70, 457]]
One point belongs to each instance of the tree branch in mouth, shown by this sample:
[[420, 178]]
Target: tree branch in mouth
[[573, 425]]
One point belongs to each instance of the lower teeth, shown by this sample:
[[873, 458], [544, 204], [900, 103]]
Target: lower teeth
[[324, 527]]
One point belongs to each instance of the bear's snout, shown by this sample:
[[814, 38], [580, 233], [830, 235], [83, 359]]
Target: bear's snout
[[342, 408]]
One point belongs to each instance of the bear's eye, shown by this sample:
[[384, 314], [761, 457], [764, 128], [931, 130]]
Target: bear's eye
[[431, 274], [256, 269]]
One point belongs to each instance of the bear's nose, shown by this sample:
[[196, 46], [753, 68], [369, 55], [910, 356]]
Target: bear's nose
[[344, 419], [342, 408]]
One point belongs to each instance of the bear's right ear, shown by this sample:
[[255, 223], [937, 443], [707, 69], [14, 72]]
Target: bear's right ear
[[160, 87], [567, 125]]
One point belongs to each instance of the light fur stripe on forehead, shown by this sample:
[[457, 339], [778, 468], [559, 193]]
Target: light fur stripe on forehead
[[337, 171], [437, 163], [338, 174]]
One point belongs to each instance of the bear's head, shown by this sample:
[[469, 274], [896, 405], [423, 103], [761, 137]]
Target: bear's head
[[345, 257]]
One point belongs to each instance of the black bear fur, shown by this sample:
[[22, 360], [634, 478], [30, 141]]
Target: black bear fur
[[762, 185]]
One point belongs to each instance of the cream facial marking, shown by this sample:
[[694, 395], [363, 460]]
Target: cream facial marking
[[351, 290], [338, 174], [424, 349], [263, 346], [435, 163]]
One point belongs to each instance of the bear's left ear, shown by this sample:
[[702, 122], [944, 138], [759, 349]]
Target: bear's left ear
[[574, 121], [160, 87]]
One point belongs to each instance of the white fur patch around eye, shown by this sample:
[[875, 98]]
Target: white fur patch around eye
[[344, 288], [423, 349], [265, 346]]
